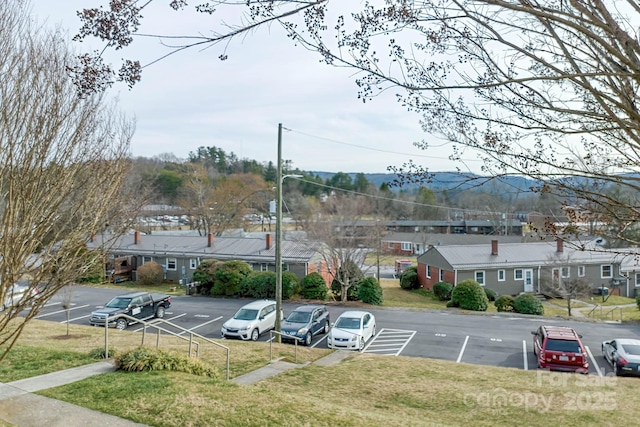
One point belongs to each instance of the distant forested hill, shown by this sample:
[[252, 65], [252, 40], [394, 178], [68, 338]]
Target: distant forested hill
[[445, 181]]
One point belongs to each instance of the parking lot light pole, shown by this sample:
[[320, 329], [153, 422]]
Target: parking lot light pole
[[280, 179]]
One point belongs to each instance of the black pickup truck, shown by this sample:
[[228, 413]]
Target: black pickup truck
[[141, 305]]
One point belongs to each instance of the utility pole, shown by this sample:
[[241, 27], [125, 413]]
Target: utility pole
[[279, 236]]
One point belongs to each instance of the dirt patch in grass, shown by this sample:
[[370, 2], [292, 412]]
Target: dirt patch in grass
[[69, 337]]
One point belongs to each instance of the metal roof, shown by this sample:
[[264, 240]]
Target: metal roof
[[222, 248], [467, 257]]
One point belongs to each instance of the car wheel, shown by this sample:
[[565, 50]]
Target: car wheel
[[326, 327], [361, 343], [160, 312], [121, 324], [255, 334], [307, 339], [619, 372]]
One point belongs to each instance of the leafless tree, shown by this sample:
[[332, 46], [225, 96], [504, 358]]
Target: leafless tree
[[63, 162], [346, 243], [548, 90], [561, 284], [216, 205]]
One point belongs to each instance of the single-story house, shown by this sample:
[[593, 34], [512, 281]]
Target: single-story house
[[180, 255], [416, 243], [514, 268]]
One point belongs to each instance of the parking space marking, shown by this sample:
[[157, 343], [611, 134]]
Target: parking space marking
[[466, 340], [201, 325], [75, 318], [593, 361], [524, 355], [60, 311], [389, 342], [170, 318]]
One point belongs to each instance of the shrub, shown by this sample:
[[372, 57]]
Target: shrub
[[491, 294], [228, 277], [313, 286], [442, 290], [146, 359], [98, 353], [528, 304], [150, 273], [262, 285], [504, 303], [204, 274], [259, 285], [409, 278], [638, 301], [469, 295], [370, 291]]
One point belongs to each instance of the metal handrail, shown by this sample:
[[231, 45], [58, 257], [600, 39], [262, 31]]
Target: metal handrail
[[612, 311], [153, 324], [295, 344], [594, 309]]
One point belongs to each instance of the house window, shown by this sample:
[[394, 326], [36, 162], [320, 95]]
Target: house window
[[479, 275], [428, 272], [441, 275], [501, 276], [264, 267], [193, 263], [146, 259], [517, 274], [406, 246], [172, 263], [565, 272], [637, 279], [581, 271], [606, 271], [390, 245]]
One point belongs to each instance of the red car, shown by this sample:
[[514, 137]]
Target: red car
[[559, 348]]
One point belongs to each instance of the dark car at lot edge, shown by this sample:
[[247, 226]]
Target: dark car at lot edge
[[624, 355], [303, 323]]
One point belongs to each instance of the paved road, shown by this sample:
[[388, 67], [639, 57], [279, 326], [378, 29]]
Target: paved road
[[483, 339]]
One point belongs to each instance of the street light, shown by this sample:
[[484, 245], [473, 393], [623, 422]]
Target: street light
[[280, 179]]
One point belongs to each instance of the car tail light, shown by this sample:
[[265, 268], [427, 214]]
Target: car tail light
[[622, 361]]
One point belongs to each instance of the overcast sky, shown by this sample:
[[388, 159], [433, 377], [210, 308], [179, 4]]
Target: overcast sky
[[192, 99]]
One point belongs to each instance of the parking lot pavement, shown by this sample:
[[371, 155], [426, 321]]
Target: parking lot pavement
[[389, 342]]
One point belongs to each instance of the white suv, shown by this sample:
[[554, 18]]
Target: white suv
[[251, 321]]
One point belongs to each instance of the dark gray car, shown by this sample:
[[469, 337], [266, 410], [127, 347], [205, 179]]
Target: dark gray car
[[624, 355], [306, 321]]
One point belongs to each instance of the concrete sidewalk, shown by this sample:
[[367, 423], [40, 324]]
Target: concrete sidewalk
[[20, 407]]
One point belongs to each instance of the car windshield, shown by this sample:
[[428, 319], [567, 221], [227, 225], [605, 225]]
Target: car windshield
[[246, 314], [119, 303], [565, 346], [632, 349], [348, 323], [299, 317]]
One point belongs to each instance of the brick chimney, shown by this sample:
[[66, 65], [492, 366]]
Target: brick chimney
[[494, 247], [559, 245], [136, 237], [210, 240], [269, 241]]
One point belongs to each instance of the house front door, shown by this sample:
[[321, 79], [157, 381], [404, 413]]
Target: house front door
[[528, 280]]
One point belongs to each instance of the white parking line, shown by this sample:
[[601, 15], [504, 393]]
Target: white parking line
[[170, 318], [201, 325], [466, 340], [524, 355], [593, 361], [60, 311], [76, 318]]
